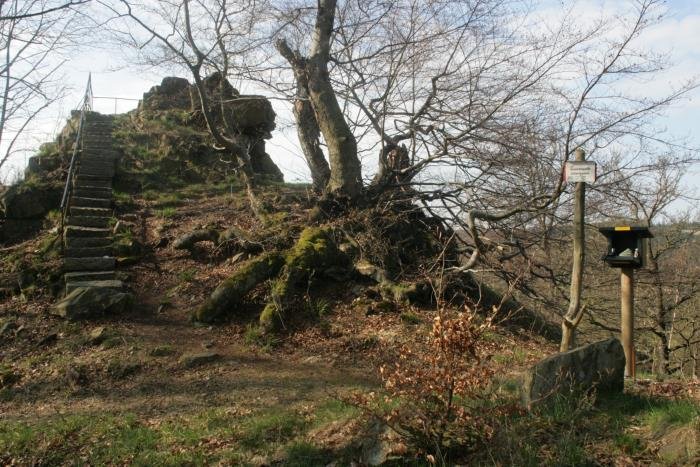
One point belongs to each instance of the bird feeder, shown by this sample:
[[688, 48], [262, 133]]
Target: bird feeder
[[626, 250], [626, 246]]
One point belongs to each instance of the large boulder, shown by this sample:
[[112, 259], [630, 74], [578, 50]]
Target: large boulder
[[251, 115], [91, 302], [599, 366]]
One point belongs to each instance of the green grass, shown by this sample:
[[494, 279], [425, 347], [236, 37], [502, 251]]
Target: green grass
[[274, 427], [255, 336], [317, 308], [515, 357], [187, 275], [207, 437], [166, 212], [673, 413], [410, 317]]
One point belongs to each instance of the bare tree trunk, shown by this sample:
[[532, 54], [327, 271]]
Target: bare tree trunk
[[345, 169], [575, 312], [309, 133]]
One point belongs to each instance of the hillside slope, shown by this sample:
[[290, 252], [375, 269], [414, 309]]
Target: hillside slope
[[152, 386]]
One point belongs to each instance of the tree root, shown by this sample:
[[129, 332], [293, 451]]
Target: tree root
[[229, 241], [229, 294], [315, 254]]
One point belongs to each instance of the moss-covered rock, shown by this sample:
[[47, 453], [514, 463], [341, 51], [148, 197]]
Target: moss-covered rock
[[230, 293], [314, 253]]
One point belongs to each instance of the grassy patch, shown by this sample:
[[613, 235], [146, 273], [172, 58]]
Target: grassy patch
[[187, 275], [216, 435], [672, 413], [166, 213], [273, 427], [410, 317], [515, 356], [255, 336]]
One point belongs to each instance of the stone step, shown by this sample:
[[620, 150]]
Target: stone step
[[99, 263], [105, 134], [97, 171], [105, 155], [99, 212], [92, 166], [100, 150], [100, 120], [101, 135], [88, 221], [83, 276], [87, 232], [93, 192], [87, 252], [83, 180], [104, 284], [98, 142], [90, 202], [87, 242], [98, 160]]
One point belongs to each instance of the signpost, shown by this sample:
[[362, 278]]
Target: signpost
[[580, 171]]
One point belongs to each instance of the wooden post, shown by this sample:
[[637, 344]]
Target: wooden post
[[575, 311], [627, 318]]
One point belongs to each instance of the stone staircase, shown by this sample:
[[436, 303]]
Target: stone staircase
[[87, 234]]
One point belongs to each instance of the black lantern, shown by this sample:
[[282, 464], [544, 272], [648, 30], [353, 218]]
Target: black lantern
[[626, 246]]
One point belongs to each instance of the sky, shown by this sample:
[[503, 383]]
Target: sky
[[675, 37]]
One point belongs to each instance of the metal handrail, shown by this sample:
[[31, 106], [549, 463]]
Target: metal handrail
[[85, 106]]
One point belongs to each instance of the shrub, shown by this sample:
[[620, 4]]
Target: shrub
[[437, 400]]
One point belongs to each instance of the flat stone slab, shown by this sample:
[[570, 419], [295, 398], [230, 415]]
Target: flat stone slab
[[107, 284], [88, 276], [88, 252], [594, 367], [87, 242], [97, 212], [87, 232], [88, 221], [90, 202], [92, 182], [89, 302], [102, 263]]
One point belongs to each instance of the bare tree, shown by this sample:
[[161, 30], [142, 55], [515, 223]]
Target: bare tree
[[33, 37], [313, 80], [34, 9], [477, 112]]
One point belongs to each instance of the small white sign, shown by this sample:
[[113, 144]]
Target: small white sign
[[580, 171]]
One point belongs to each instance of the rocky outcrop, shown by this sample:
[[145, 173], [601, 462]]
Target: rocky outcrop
[[249, 119], [172, 93], [599, 366]]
